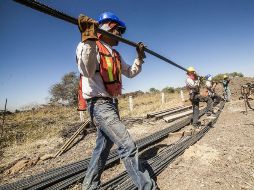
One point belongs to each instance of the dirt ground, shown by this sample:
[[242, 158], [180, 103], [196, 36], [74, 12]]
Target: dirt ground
[[222, 159]]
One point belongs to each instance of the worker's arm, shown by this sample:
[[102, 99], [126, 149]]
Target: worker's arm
[[192, 84], [214, 86], [86, 57], [208, 84], [132, 71]]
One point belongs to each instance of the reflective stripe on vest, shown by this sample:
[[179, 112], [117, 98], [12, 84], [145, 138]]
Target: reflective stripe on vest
[[110, 70]]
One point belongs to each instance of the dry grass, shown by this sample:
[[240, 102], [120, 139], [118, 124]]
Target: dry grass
[[148, 103], [43, 122], [37, 132]]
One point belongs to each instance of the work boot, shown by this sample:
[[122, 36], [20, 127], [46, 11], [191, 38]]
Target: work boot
[[196, 125]]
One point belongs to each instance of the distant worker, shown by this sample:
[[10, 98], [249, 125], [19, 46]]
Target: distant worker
[[193, 85], [210, 86], [101, 67], [225, 84]]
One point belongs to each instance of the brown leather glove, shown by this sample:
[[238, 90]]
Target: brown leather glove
[[88, 28], [140, 50]]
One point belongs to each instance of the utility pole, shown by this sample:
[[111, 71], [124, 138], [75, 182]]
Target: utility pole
[[4, 117]]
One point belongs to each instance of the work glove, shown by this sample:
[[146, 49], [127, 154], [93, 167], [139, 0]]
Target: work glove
[[140, 50], [88, 28], [201, 78]]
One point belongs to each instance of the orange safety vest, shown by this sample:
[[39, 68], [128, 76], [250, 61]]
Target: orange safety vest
[[81, 101], [110, 70]]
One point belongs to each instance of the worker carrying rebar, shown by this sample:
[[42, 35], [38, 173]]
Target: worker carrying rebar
[[193, 85], [226, 88], [101, 67], [210, 85]]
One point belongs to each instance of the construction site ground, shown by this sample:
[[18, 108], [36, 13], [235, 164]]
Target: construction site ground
[[222, 159]]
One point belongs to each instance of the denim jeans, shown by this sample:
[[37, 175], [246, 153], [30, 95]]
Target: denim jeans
[[227, 94], [195, 104], [104, 113]]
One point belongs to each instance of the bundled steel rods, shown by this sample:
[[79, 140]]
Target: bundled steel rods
[[161, 160], [142, 143], [62, 177]]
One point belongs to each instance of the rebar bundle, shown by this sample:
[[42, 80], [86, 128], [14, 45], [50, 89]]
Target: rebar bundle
[[65, 175]]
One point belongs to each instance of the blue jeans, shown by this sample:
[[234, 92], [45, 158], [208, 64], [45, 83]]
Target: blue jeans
[[104, 113], [227, 94], [195, 104]]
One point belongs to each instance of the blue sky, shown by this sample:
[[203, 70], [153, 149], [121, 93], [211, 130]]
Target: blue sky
[[214, 36]]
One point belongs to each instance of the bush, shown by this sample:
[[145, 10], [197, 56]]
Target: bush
[[168, 90], [219, 77], [153, 90]]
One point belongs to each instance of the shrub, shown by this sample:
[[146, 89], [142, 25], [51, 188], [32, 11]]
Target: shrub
[[219, 77], [168, 90], [153, 90]]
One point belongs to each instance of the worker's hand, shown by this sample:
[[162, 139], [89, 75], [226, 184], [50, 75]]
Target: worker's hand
[[201, 78], [140, 50], [88, 27]]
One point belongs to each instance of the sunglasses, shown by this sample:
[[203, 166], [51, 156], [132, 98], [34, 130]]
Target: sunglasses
[[119, 29]]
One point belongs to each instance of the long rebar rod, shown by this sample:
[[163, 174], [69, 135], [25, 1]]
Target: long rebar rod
[[60, 15], [141, 144], [55, 175], [160, 161], [248, 103]]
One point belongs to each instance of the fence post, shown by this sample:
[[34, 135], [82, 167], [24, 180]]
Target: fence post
[[2, 132], [162, 98], [81, 115], [131, 103], [182, 96]]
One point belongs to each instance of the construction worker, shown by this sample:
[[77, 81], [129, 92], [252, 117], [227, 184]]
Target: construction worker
[[101, 68], [225, 84], [210, 86], [193, 85]]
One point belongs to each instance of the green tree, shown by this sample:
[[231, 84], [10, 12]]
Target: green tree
[[153, 90], [65, 91], [236, 74], [168, 89]]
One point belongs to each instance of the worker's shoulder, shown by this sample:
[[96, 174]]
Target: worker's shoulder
[[87, 44], [188, 79]]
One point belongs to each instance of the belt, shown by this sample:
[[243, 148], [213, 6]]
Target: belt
[[194, 93], [95, 99]]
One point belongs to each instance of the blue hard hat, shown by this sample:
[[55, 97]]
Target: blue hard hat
[[208, 76], [109, 16]]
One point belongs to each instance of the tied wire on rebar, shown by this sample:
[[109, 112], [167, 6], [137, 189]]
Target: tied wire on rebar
[[55, 13]]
